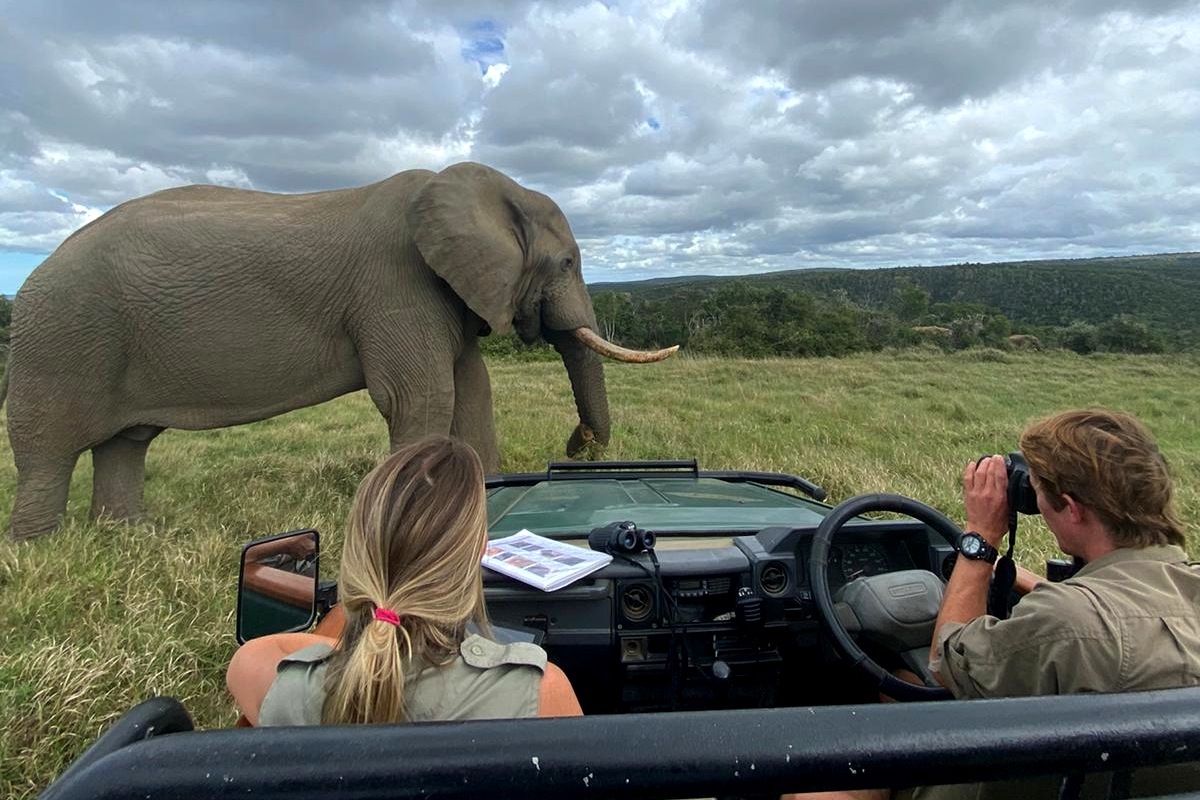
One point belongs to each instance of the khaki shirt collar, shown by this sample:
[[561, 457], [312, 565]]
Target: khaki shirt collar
[[1166, 553]]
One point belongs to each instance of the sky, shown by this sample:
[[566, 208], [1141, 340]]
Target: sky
[[715, 137]]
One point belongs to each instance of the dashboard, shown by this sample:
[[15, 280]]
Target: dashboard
[[723, 621]]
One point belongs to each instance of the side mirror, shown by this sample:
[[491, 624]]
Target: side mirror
[[277, 584]]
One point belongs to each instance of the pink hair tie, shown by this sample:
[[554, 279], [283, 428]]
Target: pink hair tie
[[388, 616]]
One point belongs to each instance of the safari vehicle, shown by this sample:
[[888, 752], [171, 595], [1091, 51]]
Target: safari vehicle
[[742, 655]]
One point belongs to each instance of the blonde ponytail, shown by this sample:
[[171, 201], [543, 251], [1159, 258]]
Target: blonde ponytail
[[371, 681], [413, 543]]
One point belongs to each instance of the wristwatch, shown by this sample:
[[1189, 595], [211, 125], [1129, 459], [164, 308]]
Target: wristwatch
[[976, 548]]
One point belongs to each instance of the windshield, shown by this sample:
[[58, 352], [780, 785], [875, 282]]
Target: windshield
[[571, 508]]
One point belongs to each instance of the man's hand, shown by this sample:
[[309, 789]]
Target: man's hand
[[985, 497]]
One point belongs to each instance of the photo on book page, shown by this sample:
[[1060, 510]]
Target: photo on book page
[[540, 562]]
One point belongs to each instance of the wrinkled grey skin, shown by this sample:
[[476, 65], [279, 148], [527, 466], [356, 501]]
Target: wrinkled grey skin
[[203, 307]]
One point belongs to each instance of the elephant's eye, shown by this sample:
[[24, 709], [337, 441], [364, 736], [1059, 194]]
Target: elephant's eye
[[567, 263]]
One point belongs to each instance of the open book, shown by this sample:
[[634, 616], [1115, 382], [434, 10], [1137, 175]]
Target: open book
[[541, 562]]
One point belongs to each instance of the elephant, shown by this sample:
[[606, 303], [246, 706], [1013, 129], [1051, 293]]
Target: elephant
[[934, 331], [1025, 341], [203, 307]]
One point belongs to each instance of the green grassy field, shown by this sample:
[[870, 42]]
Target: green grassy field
[[98, 617]]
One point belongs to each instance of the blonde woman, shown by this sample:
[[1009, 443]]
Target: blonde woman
[[410, 582]]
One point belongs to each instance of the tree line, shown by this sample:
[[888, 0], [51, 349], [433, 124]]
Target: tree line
[[757, 318], [739, 318], [1083, 304]]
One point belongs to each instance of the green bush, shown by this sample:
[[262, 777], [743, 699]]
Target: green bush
[[1124, 334], [510, 348], [1081, 337]]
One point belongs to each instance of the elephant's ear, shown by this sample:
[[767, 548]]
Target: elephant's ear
[[471, 231]]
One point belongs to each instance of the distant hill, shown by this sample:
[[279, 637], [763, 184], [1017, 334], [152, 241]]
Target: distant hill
[[1161, 291]]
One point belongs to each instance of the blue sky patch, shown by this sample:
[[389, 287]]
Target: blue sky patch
[[15, 268], [483, 43]]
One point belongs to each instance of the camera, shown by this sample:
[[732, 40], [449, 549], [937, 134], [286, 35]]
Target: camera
[[620, 537], [1021, 496]]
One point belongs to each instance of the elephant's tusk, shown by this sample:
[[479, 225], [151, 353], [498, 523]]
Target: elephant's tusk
[[609, 350]]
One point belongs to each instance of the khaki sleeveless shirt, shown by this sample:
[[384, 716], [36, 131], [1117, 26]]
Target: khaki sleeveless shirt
[[486, 681]]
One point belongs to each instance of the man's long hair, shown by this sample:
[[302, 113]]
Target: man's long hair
[[1108, 461], [414, 539]]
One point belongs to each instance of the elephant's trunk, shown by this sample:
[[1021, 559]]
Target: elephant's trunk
[[607, 349], [586, 372]]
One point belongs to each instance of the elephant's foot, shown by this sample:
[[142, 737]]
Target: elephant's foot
[[23, 530], [115, 511], [120, 501]]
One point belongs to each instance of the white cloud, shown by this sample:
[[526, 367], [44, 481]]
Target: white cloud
[[494, 74], [712, 136]]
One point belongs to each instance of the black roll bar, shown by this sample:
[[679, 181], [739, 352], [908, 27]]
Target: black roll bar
[[771, 479], [637, 470], [683, 754], [149, 719], [553, 467]]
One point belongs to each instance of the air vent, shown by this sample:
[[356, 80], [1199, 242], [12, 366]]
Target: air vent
[[948, 565], [637, 601], [774, 579]]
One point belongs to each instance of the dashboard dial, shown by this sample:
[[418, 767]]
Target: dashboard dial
[[859, 560]]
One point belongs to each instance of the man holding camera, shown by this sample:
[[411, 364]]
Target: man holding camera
[[1130, 617], [1128, 620]]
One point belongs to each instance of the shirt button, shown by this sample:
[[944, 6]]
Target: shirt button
[[476, 649]]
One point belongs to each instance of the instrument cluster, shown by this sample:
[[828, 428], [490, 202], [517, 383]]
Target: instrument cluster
[[858, 560]]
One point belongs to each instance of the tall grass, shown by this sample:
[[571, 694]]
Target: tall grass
[[97, 617]]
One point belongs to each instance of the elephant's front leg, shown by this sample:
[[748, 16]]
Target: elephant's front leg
[[415, 394], [473, 421]]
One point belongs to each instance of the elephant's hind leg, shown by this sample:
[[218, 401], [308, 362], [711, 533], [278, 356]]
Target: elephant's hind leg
[[119, 473], [41, 499]]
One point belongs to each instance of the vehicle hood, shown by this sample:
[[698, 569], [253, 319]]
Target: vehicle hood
[[561, 508]]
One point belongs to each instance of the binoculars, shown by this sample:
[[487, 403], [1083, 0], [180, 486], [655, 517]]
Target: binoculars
[[620, 537]]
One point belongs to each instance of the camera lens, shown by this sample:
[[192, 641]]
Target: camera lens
[[648, 539], [1021, 496]]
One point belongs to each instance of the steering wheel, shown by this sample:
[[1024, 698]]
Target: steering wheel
[[898, 608]]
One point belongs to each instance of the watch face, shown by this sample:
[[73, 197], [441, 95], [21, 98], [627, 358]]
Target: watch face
[[970, 545]]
